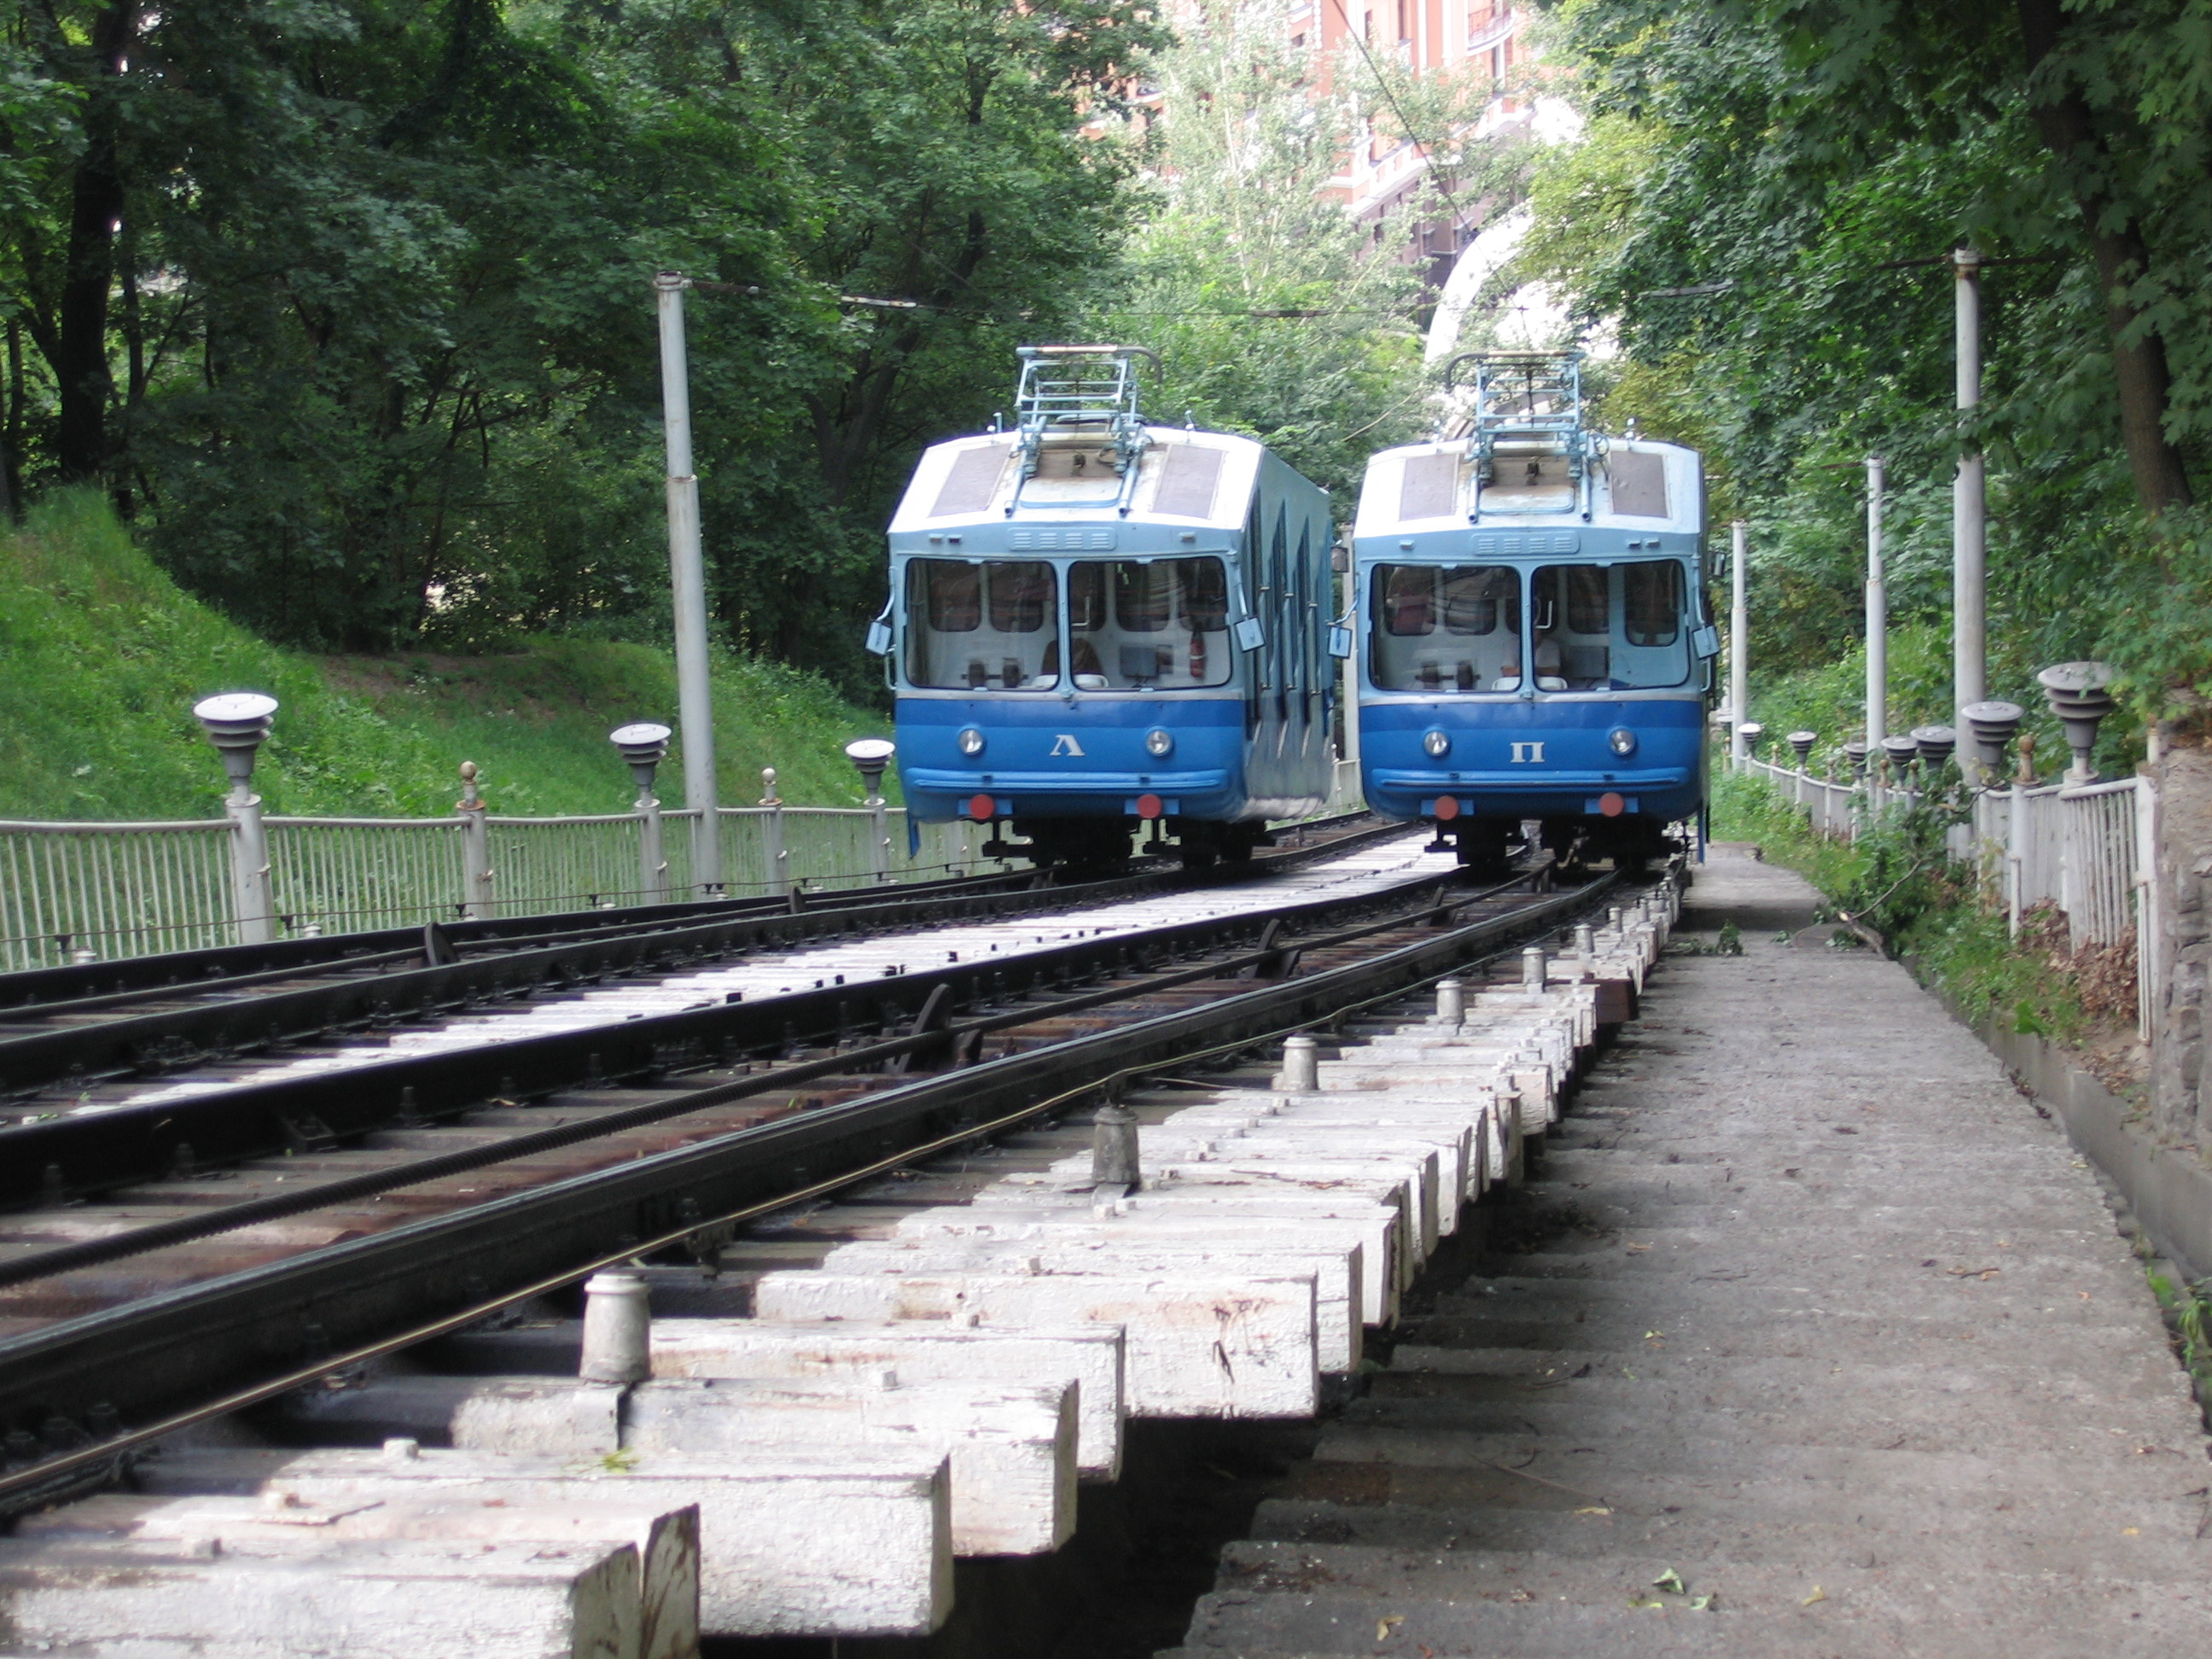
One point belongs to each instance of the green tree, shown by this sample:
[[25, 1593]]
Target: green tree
[[1763, 209], [1275, 309], [348, 304]]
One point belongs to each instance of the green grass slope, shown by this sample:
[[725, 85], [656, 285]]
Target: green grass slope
[[102, 656]]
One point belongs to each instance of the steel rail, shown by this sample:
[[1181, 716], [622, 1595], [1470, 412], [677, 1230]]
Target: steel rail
[[168, 1039], [35, 990], [90, 1152], [288, 1323], [78, 985], [949, 1036]]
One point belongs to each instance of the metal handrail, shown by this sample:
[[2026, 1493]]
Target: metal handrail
[[79, 890], [2084, 850]]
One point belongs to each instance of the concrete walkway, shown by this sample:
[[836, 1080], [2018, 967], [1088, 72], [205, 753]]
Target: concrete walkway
[[1808, 1312]]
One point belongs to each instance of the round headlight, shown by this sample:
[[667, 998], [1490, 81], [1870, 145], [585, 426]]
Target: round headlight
[[970, 741], [1437, 743], [1621, 740], [1160, 745]]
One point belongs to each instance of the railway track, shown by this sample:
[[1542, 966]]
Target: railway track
[[87, 1036], [418, 1193]]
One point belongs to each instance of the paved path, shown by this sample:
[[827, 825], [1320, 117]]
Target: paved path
[[1809, 1312]]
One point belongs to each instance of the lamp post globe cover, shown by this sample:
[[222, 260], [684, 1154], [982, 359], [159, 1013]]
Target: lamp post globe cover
[[236, 723], [871, 756]]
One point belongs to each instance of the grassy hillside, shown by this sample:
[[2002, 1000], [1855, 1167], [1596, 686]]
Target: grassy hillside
[[102, 656]]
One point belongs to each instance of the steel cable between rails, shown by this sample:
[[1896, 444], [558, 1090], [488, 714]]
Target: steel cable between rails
[[163, 1235]]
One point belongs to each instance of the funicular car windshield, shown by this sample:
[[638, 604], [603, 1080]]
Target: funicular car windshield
[[1610, 627], [1616, 627], [1446, 628], [1148, 624], [983, 623]]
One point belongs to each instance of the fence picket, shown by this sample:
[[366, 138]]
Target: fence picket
[[2082, 849], [134, 889]]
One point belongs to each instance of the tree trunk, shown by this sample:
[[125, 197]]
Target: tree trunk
[[83, 383], [11, 425], [2069, 129]]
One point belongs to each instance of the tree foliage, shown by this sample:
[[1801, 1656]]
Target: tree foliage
[[348, 303], [1280, 311], [1765, 210]]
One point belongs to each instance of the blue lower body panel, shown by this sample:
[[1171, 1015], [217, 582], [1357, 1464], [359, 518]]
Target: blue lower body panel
[[1045, 757], [1534, 758]]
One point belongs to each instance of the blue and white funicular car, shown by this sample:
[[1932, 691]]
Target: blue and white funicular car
[[1536, 645], [1096, 623]]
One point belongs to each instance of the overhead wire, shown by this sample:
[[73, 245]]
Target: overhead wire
[[1389, 97]]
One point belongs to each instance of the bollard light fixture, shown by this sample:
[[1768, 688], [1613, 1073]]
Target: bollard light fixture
[[1802, 741], [236, 723], [1936, 744], [2076, 694], [870, 756], [1901, 751], [1991, 725], [644, 745], [1855, 752], [1750, 732]]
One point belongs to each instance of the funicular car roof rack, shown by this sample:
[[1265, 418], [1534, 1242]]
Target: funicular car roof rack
[[1065, 388], [1527, 404]]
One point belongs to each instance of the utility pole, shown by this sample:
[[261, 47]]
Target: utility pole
[[694, 697], [1969, 544], [1877, 614], [1739, 646]]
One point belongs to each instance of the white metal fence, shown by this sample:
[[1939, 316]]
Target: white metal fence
[[2088, 850], [117, 889], [73, 886], [99, 891]]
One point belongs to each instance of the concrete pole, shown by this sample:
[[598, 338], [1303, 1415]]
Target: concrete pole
[[1739, 648], [252, 903], [879, 833], [1969, 548], [694, 699], [1877, 614], [775, 858], [617, 1330], [651, 860]]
